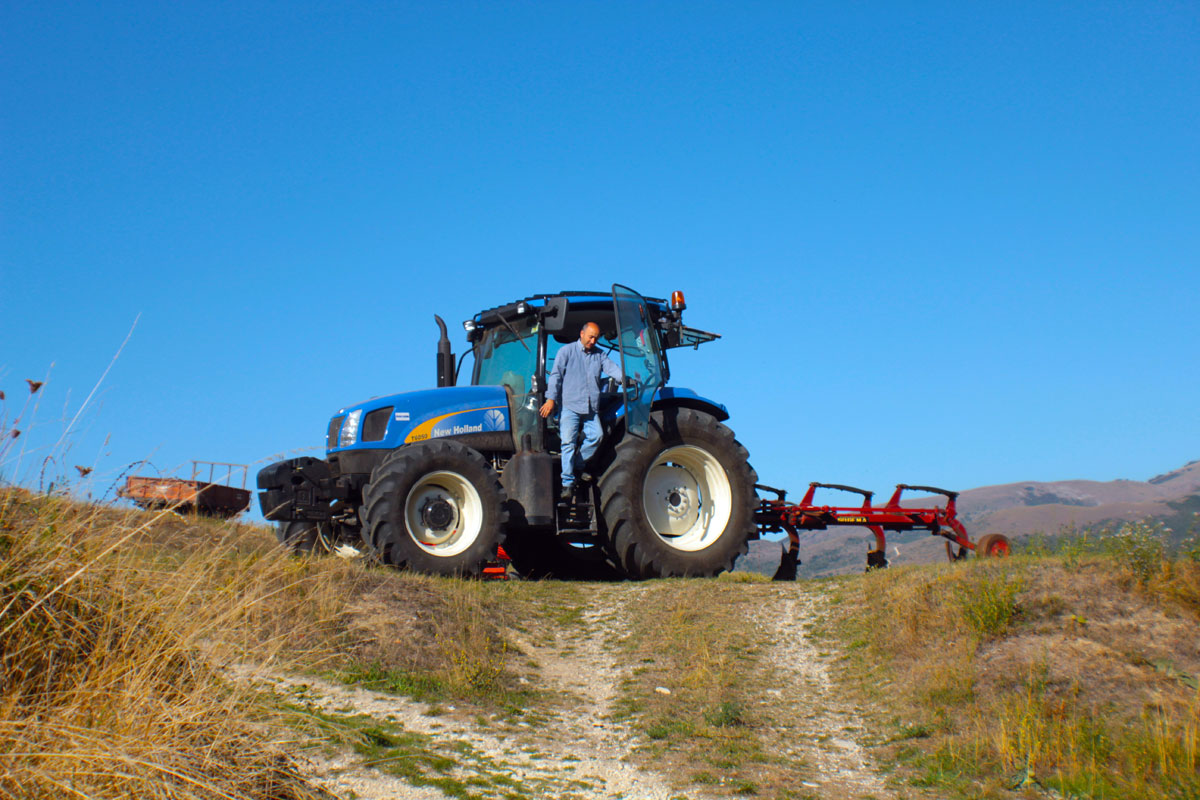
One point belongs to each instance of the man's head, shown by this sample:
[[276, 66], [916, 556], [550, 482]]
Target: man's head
[[588, 335]]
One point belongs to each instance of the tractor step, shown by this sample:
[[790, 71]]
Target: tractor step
[[577, 516], [579, 537]]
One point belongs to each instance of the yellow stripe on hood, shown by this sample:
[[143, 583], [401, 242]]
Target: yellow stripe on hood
[[425, 429]]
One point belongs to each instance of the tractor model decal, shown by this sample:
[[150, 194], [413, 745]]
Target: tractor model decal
[[457, 423]]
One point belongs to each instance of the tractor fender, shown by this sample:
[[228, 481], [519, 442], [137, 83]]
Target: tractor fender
[[673, 397], [679, 397]]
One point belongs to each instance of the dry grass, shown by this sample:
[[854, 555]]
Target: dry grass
[[432, 638], [1078, 675], [106, 691], [117, 629]]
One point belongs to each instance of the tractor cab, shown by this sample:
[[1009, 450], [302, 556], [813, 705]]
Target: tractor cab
[[515, 345]]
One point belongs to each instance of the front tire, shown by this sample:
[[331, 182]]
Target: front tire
[[680, 502], [303, 536], [435, 507]]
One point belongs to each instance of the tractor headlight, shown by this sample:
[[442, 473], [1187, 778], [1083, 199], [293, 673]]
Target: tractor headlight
[[350, 428]]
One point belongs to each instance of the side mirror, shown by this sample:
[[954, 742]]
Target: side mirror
[[554, 315]]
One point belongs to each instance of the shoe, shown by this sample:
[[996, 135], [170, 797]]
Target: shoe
[[586, 477], [566, 492]]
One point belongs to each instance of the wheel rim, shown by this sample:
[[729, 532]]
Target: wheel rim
[[443, 513], [687, 498], [998, 548]]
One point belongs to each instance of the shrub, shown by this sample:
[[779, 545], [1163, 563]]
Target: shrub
[[1140, 547], [1189, 548]]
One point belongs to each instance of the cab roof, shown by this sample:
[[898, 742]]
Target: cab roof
[[570, 309], [574, 298]]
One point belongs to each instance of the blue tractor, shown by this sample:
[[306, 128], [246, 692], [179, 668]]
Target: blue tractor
[[438, 480]]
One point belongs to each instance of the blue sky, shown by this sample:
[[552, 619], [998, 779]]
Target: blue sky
[[944, 243]]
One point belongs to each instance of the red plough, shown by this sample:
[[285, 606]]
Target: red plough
[[774, 516]]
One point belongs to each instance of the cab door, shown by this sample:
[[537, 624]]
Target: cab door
[[637, 338]]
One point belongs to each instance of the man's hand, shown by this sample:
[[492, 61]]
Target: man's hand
[[547, 408]]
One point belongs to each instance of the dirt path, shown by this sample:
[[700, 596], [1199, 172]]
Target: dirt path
[[826, 729], [572, 747], [582, 666], [573, 750]]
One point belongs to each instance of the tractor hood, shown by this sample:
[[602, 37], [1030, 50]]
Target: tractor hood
[[399, 419]]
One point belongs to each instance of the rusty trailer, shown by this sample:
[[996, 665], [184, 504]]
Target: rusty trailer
[[194, 495]]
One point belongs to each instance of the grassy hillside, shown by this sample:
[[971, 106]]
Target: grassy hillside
[[143, 655], [1074, 670], [120, 632]]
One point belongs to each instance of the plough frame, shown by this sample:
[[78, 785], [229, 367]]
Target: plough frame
[[778, 515]]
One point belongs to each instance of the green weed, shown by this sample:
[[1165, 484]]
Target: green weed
[[670, 727], [989, 603], [380, 677], [725, 715]]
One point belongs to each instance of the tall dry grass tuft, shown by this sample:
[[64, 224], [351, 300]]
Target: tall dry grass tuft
[[430, 637], [110, 663]]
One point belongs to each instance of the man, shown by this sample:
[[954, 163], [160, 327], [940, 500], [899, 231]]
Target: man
[[575, 383]]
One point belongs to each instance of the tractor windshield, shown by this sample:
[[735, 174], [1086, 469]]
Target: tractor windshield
[[507, 356]]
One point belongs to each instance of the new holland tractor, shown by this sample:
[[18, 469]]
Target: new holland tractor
[[438, 480]]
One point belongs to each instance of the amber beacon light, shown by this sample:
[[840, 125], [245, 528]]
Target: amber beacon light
[[677, 303]]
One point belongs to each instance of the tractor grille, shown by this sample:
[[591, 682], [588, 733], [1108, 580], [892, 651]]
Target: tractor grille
[[375, 424], [335, 427]]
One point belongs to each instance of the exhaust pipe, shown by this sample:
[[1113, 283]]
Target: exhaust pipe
[[445, 358]]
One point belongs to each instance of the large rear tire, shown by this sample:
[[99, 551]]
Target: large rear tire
[[435, 507], [680, 502]]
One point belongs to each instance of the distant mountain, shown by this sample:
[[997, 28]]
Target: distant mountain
[[1014, 509], [1184, 480], [1017, 509]]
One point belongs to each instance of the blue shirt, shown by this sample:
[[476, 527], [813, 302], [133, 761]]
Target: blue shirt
[[574, 382]]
